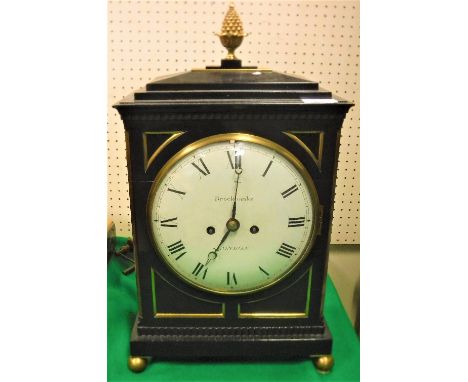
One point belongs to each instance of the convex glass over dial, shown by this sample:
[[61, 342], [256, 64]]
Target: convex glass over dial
[[233, 213]]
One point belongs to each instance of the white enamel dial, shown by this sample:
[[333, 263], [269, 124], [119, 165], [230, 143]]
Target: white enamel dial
[[226, 247]]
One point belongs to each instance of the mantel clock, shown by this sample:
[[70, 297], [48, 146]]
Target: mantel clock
[[231, 177]]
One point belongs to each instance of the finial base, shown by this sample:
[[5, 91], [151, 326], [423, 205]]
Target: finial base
[[231, 64]]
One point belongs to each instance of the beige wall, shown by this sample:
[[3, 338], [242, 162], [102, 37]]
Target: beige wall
[[343, 268], [315, 39]]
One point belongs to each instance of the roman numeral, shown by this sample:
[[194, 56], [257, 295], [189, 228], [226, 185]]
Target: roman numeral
[[289, 191], [286, 250], [264, 271], [268, 167], [198, 269], [237, 163], [177, 247], [296, 222], [231, 278], [169, 222], [205, 171], [176, 191]]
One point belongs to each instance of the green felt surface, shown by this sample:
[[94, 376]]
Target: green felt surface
[[121, 308]]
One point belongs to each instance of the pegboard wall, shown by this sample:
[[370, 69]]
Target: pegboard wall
[[316, 39]]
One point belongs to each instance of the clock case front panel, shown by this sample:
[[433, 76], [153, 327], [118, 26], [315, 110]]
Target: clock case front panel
[[176, 320]]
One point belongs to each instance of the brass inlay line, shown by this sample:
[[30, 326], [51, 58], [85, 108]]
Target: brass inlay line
[[272, 315], [304, 314], [189, 315], [319, 230], [295, 138], [181, 315], [309, 287], [148, 161], [327, 254], [153, 291]]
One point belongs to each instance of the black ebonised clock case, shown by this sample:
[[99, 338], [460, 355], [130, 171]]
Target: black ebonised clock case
[[178, 321]]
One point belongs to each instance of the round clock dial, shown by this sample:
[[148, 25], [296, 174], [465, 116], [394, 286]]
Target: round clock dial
[[233, 213]]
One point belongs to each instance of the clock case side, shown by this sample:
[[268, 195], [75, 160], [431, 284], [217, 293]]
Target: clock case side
[[270, 121]]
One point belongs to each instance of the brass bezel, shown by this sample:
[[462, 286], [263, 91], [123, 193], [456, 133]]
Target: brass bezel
[[244, 138]]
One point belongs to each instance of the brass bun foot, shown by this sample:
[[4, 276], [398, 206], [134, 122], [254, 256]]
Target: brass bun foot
[[324, 363], [137, 364]]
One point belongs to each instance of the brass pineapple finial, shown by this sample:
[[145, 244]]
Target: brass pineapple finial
[[232, 32]]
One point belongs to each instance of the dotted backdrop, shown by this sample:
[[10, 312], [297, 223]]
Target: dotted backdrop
[[316, 39]]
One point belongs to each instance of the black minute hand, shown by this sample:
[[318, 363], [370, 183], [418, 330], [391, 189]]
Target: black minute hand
[[213, 255], [222, 240]]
